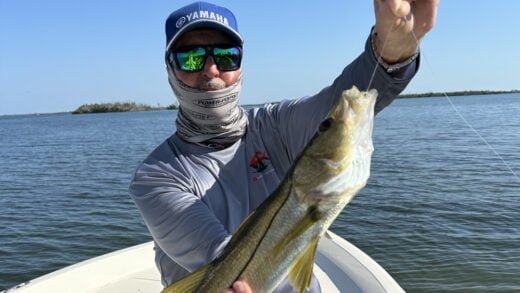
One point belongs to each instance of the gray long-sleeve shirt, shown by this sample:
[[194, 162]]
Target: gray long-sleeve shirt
[[192, 198]]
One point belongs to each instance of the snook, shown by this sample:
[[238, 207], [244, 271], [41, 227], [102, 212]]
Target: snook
[[282, 234]]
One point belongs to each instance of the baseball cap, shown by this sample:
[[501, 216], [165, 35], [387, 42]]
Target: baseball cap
[[200, 15]]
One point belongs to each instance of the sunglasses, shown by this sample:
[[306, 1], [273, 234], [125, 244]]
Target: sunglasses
[[193, 58]]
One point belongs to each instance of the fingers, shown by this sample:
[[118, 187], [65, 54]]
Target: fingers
[[406, 15], [428, 15], [242, 287], [239, 287], [401, 24], [398, 8]]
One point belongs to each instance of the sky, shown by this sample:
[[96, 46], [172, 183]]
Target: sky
[[56, 55]]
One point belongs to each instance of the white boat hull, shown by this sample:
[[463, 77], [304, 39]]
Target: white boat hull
[[341, 267]]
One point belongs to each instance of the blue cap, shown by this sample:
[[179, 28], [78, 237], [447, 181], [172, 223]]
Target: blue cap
[[198, 15]]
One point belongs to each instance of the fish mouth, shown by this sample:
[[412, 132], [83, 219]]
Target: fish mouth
[[340, 113]]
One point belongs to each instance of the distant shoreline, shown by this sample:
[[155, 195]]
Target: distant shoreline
[[135, 107], [456, 94], [138, 107]]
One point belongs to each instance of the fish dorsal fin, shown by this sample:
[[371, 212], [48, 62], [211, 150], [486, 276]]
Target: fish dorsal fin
[[188, 284], [300, 273]]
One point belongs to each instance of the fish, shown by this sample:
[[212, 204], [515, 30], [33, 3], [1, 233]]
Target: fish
[[281, 236]]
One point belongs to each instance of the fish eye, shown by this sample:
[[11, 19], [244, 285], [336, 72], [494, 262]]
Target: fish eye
[[326, 124]]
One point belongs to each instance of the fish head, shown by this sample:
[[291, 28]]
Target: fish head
[[336, 162]]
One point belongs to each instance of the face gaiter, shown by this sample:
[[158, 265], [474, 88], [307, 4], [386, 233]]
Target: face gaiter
[[211, 118]]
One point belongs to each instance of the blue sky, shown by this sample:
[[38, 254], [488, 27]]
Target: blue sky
[[58, 54]]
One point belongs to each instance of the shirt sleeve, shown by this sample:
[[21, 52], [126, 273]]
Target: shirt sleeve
[[180, 223], [298, 120]]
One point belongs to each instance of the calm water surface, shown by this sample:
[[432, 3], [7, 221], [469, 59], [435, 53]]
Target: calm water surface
[[441, 212]]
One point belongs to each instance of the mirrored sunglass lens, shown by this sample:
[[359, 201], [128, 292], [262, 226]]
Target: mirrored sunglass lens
[[192, 60], [227, 58]]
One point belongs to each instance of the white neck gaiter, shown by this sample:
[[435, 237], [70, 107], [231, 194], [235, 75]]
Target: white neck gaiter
[[211, 118]]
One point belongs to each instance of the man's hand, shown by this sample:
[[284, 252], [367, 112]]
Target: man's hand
[[240, 287], [400, 25]]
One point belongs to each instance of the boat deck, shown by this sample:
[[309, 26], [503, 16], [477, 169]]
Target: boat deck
[[341, 267]]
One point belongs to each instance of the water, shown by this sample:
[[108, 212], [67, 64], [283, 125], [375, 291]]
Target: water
[[441, 212]]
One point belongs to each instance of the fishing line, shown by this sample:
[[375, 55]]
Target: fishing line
[[464, 119], [378, 57]]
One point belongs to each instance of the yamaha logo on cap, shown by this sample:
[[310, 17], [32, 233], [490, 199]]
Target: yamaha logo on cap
[[202, 14], [180, 22]]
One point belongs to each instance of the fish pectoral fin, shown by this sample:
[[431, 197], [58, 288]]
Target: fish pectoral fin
[[300, 273], [188, 284], [312, 216]]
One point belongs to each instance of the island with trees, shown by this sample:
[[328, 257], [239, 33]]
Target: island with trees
[[118, 107]]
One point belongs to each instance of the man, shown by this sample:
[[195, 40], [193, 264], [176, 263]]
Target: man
[[195, 188]]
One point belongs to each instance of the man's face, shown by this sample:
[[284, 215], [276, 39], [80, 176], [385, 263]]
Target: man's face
[[210, 78]]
